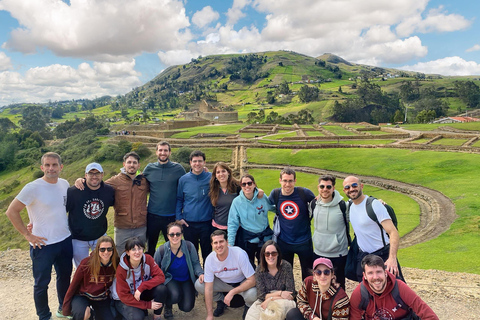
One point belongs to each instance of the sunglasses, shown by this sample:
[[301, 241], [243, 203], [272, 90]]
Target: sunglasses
[[325, 272], [353, 185], [249, 183], [109, 249], [322, 186], [273, 254], [178, 234]]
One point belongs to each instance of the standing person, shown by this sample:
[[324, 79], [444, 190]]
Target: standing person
[[371, 238], [194, 209], [178, 260], [223, 189], [163, 177], [131, 191], [274, 282], [320, 296], [250, 214], [90, 287], [292, 214], [227, 269], [138, 285], [87, 211], [381, 296], [331, 230], [50, 239]]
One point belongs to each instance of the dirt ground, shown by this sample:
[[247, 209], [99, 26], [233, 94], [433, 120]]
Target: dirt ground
[[452, 296]]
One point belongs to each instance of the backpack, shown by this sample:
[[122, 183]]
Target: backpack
[[371, 214], [366, 297], [343, 208]]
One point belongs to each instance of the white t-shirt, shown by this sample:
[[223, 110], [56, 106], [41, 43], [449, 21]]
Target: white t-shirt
[[234, 269], [367, 231], [46, 204]]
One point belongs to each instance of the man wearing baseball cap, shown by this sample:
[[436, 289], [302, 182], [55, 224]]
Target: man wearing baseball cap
[[87, 211]]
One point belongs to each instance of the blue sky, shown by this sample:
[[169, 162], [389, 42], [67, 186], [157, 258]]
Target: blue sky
[[60, 50]]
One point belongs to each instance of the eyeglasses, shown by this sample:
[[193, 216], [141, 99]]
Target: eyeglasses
[[249, 183], [273, 254], [109, 249], [178, 234], [325, 272], [353, 185], [94, 174], [322, 186], [288, 181]]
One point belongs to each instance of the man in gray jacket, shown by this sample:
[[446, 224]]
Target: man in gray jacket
[[330, 235]]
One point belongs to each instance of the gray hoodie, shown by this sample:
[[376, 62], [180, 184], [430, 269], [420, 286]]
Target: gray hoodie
[[329, 236]]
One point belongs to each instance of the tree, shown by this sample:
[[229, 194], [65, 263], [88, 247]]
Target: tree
[[270, 97], [35, 118], [6, 124], [399, 116], [468, 92], [308, 94], [284, 88]]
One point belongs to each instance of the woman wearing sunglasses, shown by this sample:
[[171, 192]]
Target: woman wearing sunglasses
[[274, 282], [178, 260], [138, 285], [251, 213], [320, 296], [90, 287]]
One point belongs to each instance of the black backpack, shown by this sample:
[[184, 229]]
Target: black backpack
[[343, 208], [371, 214], [366, 297]]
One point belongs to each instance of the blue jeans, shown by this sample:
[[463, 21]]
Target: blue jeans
[[81, 250], [58, 255]]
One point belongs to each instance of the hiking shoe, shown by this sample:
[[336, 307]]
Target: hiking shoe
[[168, 312], [245, 310], [221, 306], [59, 314]]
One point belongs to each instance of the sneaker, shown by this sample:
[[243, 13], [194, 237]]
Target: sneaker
[[59, 314], [221, 306], [245, 310], [168, 312]]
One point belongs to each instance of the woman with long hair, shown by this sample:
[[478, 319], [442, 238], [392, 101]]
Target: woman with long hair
[[138, 284], [320, 296], [274, 282], [178, 260], [223, 189], [90, 287], [248, 224]]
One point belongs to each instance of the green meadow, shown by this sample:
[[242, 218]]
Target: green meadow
[[451, 173]]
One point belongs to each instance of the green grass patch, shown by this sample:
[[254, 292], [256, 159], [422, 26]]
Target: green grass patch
[[447, 172], [370, 141], [340, 131], [421, 141], [315, 133], [450, 142]]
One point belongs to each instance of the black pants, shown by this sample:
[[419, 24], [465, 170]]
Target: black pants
[[338, 266], [181, 293], [294, 314], [304, 252], [155, 224], [158, 294], [100, 307], [199, 232]]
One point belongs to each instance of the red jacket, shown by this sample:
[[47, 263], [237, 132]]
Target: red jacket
[[146, 276], [84, 284], [386, 304]]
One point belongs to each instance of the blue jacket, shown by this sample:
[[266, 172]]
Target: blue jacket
[[252, 215], [163, 258], [193, 202], [163, 179]]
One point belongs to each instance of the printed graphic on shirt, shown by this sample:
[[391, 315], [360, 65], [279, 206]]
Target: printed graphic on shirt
[[383, 314], [93, 208], [289, 210], [260, 210], [225, 269]]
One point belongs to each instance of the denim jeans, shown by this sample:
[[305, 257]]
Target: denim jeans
[[59, 255], [81, 250]]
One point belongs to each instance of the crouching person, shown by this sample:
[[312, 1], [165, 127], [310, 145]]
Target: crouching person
[[139, 283], [227, 270], [90, 288]]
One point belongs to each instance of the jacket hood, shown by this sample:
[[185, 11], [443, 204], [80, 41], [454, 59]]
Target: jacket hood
[[125, 264], [337, 197], [244, 198], [388, 288]]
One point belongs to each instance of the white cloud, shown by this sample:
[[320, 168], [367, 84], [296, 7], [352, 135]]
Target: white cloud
[[205, 16], [436, 20], [97, 29], [450, 66], [61, 82], [474, 48], [5, 62], [235, 13]]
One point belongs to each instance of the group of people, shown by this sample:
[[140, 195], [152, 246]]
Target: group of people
[[251, 262]]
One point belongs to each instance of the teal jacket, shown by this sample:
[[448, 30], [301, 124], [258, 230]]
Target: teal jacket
[[163, 258]]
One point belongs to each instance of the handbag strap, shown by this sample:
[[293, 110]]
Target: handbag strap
[[330, 310], [178, 250]]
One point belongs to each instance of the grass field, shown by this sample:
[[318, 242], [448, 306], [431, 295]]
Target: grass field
[[450, 173]]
